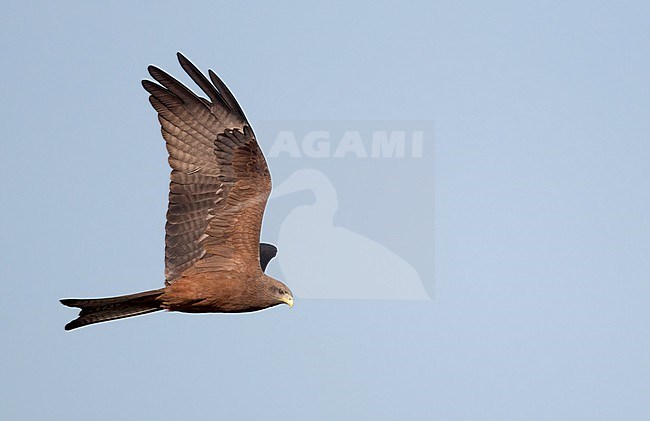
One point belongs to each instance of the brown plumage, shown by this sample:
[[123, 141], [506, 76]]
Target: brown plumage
[[219, 187]]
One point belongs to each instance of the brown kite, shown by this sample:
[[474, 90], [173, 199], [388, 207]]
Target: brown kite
[[218, 191]]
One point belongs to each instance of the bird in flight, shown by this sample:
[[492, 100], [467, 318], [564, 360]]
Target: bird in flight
[[219, 187]]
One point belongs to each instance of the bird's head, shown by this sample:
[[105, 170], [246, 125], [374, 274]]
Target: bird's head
[[278, 292]]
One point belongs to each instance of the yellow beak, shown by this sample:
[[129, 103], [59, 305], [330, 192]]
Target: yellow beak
[[288, 299]]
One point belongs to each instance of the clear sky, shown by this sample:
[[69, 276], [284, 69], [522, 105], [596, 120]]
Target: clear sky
[[540, 284]]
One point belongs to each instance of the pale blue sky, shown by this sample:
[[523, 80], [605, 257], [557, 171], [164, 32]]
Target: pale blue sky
[[542, 227]]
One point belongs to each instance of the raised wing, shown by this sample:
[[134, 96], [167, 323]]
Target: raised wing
[[219, 181]]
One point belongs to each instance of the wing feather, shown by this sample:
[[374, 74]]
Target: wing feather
[[219, 181]]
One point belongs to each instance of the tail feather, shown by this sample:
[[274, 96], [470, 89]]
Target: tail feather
[[96, 310]]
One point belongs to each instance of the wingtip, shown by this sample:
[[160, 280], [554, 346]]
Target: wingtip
[[181, 58], [213, 75], [149, 85], [145, 83], [155, 71]]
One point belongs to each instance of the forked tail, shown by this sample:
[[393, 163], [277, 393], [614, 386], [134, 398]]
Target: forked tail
[[96, 310]]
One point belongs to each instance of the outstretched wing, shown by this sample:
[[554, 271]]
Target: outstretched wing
[[219, 181]]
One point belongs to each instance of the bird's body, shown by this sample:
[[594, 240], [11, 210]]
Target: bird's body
[[220, 183], [225, 293]]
